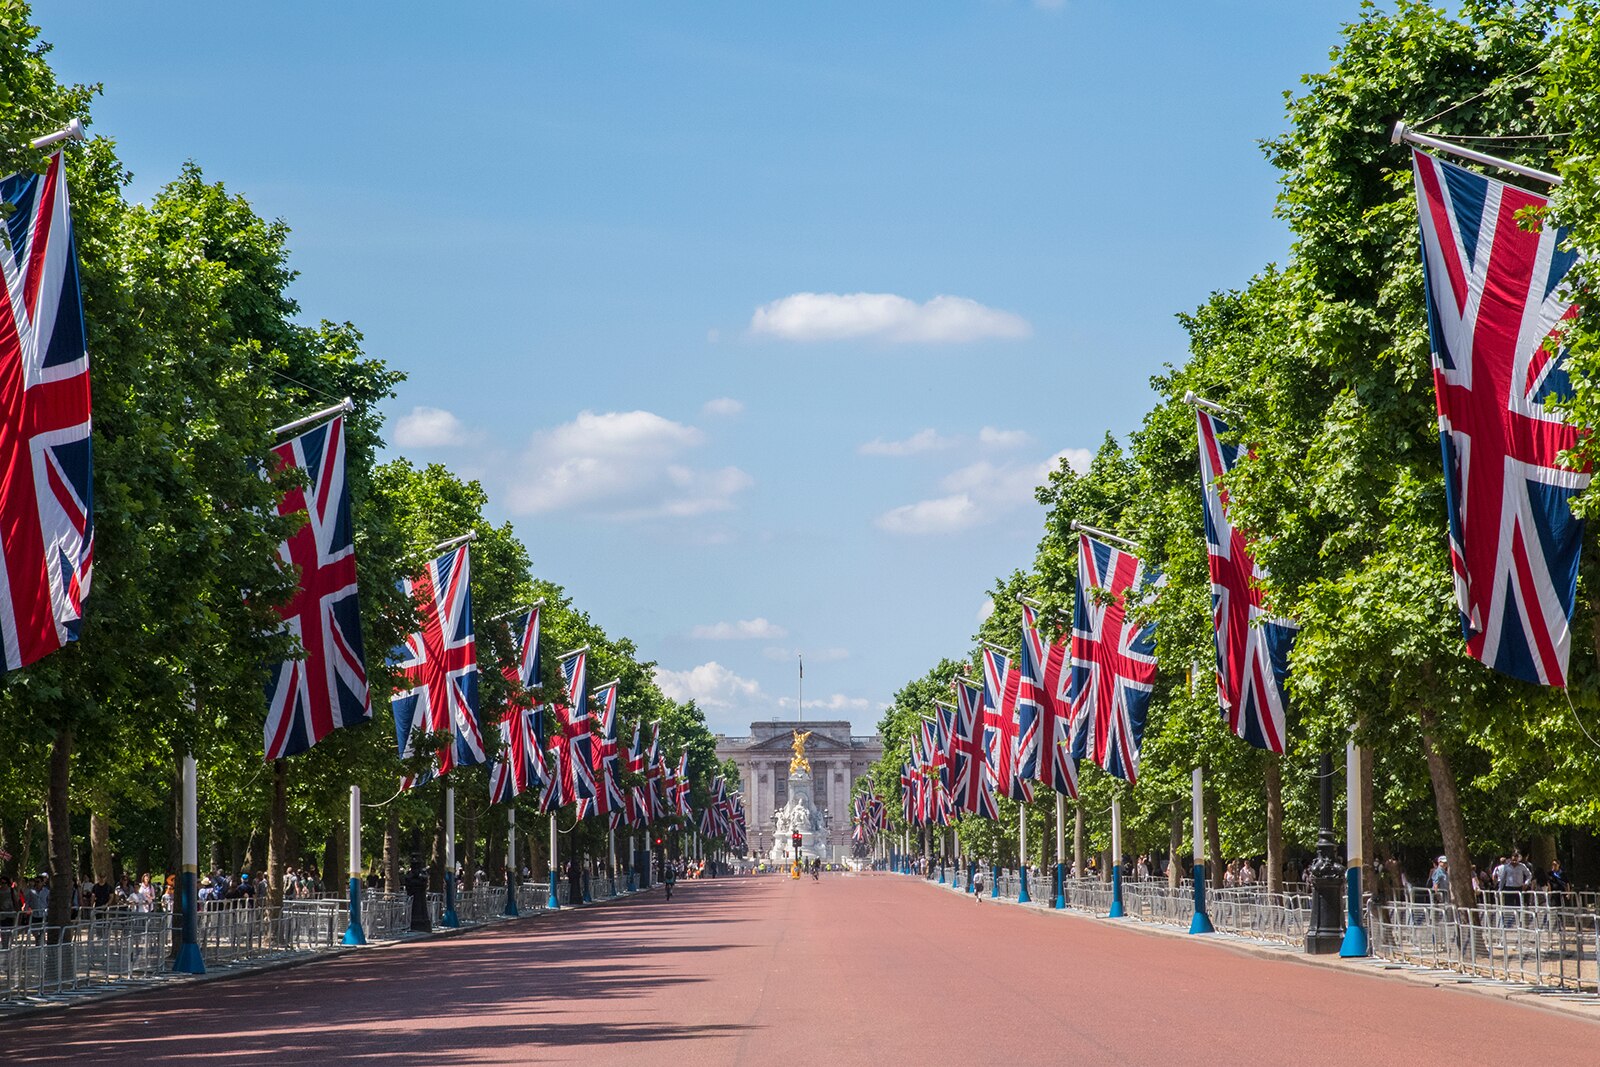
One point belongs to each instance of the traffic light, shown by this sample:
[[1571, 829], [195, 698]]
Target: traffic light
[[795, 839], [659, 840]]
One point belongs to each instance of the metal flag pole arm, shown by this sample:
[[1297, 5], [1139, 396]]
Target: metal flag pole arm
[[1404, 134], [1195, 400], [342, 407], [72, 131], [470, 535], [517, 611], [999, 648], [574, 652], [1093, 532]]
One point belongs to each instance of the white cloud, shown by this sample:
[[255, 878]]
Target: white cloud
[[946, 514], [884, 317], [743, 629], [623, 464], [990, 437], [723, 405], [986, 610], [711, 685], [979, 493], [429, 428], [921, 441]]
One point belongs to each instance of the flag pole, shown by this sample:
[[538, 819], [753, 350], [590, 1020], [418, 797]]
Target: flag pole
[[342, 407], [449, 919], [1094, 532], [1022, 854], [1004, 651], [611, 849], [1116, 858], [470, 535], [1060, 900], [1201, 923], [517, 611], [1355, 930], [1401, 133], [553, 903], [800, 708], [511, 859], [189, 961], [1195, 400], [353, 933]]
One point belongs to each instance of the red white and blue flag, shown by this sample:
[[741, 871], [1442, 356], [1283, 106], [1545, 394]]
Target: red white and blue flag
[[309, 698], [1113, 658], [1252, 646], [970, 786], [1496, 303], [1047, 759], [440, 664], [520, 766], [572, 749], [1001, 685], [46, 472], [607, 794]]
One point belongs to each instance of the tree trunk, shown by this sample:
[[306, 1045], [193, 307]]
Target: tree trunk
[[59, 822], [391, 851], [469, 845], [333, 852], [1452, 824], [1174, 844], [1214, 840], [1274, 872], [100, 846], [277, 838], [1077, 840]]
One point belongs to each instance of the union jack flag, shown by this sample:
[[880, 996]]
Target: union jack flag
[[636, 753], [1052, 763], [1252, 646], [1495, 299], [440, 662], [1001, 686], [638, 806], [572, 780], [681, 800], [47, 493], [308, 698], [607, 794], [1113, 660], [655, 770], [974, 794], [520, 766]]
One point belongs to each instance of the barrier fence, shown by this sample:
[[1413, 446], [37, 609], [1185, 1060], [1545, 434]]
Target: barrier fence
[[110, 946], [1534, 937]]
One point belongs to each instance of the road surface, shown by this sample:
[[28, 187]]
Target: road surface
[[873, 969]]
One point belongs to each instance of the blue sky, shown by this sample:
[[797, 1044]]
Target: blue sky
[[760, 321]]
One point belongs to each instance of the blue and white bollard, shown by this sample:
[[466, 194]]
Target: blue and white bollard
[[1116, 858], [553, 901], [1201, 923], [1060, 902], [1022, 856], [1355, 927], [994, 890]]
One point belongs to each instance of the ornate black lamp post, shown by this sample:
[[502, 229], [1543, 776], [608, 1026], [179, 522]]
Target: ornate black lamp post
[[1326, 932], [416, 884]]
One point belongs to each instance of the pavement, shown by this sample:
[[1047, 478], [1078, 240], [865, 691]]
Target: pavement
[[848, 970]]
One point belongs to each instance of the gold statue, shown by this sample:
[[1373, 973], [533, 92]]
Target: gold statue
[[800, 763]]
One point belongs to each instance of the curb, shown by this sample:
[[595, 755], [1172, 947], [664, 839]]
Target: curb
[[1542, 999], [169, 980]]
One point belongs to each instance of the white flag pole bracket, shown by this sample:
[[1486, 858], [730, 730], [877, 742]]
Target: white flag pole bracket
[[1093, 532], [72, 131], [343, 407], [470, 535], [1402, 134], [1195, 400]]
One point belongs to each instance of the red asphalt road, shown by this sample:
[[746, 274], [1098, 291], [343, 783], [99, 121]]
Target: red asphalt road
[[875, 969]]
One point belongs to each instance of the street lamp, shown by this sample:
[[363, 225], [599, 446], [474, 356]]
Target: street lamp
[[1326, 932]]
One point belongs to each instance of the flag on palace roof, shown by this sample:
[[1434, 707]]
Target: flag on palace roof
[[1497, 300], [1113, 657], [1052, 764], [308, 698], [440, 664], [47, 495], [1252, 646]]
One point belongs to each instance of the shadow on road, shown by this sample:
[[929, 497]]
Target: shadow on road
[[515, 986]]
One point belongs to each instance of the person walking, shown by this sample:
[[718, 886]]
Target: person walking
[[574, 882], [977, 885], [669, 878]]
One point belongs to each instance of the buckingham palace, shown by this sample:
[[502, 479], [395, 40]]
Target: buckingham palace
[[837, 758]]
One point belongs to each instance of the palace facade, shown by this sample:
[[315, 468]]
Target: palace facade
[[837, 759]]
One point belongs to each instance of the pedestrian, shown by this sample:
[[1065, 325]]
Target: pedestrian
[[1514, 878], [977, 885], [669, 878], [1557, 879], [574, 881]]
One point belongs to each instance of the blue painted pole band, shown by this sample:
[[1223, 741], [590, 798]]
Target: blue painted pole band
[[353, 933], [552, 902], [189, 961], [994, 890], [449, 919], [1116, 891], [1201, 923], [1022, 885], [1061, 888], [1355, 942]]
